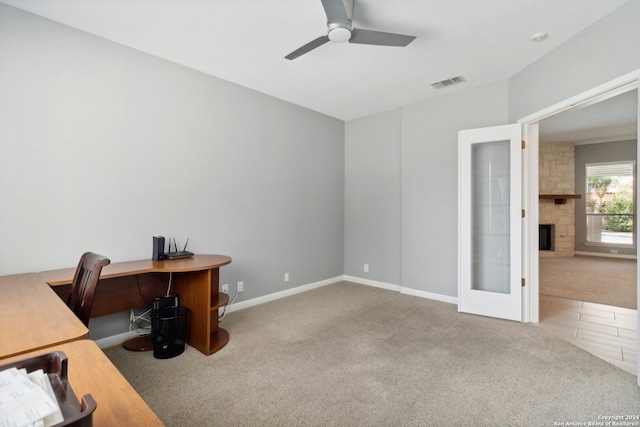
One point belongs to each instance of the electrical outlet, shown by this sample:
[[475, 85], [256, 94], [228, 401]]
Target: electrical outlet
[[240, 286], [286, 277], [366, 268], [225, 288]]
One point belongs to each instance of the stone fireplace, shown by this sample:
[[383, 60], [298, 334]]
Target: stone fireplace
[[557, 176]]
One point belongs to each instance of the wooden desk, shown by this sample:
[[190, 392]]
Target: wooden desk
[[91, 372], [33, 316], [127, 285]]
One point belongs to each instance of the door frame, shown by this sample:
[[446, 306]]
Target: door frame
[[530, 132]]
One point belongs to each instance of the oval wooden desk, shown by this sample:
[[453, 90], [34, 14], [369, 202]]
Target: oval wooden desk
[[33, 316], [128, 285], [91, 372]]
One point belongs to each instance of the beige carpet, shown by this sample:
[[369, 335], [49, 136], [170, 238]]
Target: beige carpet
[[610, 281], [353, 355]]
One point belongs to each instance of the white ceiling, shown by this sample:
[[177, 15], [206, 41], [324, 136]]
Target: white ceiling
[[245, 41], [614, 119]]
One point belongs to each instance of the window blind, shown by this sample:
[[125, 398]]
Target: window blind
[[610, 169]]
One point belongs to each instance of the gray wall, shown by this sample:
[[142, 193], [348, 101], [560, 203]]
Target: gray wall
[[102, 147], [409, 156], [430, 182], [598, 153], [372, 197]]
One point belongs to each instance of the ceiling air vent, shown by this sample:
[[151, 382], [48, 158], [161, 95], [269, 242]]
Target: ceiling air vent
[[448, 82]]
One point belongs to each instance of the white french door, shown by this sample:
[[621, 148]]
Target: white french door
[[490, 221]]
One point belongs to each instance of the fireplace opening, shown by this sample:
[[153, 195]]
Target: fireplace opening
[[546, 237]]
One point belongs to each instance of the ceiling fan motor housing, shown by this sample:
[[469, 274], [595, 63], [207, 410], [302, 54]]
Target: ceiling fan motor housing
[[338, 33]]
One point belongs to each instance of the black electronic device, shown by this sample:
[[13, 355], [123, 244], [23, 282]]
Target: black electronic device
[[179, 254], [168, 326], [176, 254], [168, 331], [158, 248], [165, 301]]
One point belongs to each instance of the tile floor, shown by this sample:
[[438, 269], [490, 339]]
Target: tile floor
[[603, 330]]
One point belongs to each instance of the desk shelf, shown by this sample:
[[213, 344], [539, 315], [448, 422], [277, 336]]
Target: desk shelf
[[218, 339], [219, 300], [199, 292]]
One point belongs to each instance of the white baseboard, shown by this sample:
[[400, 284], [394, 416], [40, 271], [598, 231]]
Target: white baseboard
[[118, 339], [115, 340], [374, 283], [605, 255], [430, 295], [403, 290], [282, 294]]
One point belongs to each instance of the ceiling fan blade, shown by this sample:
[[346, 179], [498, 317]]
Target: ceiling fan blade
[[379, 38], [308, 47], [336, 13]]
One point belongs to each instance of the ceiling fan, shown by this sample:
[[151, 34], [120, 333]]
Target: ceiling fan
[[339, 14]]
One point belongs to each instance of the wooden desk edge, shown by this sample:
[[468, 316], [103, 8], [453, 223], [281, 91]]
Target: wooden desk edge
[[31, 302], [5, 357], [108, 391], [129, 268]]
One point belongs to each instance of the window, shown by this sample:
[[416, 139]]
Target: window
[[610, 203]]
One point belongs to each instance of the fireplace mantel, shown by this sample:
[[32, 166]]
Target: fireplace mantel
[[560, 199]]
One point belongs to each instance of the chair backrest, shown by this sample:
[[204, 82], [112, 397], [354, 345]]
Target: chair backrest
[[84, 284]]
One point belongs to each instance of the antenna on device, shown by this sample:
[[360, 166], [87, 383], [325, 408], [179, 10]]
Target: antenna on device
[[174, 252]]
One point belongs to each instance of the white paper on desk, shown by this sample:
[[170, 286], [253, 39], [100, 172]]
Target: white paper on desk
[[22, 402], [41, 379]]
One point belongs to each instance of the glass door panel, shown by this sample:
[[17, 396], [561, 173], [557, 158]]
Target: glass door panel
[[490, 216]]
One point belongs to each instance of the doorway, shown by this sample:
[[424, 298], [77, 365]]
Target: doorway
[[588, 155], [534, 128], [587, 287]]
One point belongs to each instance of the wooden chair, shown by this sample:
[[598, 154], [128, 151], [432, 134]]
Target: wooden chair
[[84, 284]]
